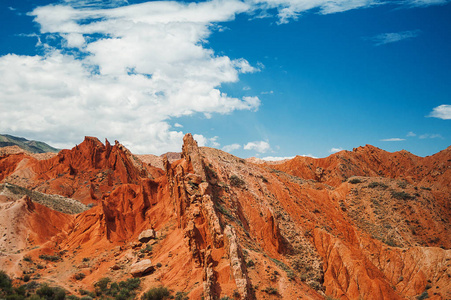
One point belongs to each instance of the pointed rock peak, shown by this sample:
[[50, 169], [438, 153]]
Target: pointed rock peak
[[121, 147], [190, 152], [189, 144], [92, 140]]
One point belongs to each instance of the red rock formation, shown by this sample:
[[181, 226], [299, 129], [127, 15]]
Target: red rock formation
[[366, 223]]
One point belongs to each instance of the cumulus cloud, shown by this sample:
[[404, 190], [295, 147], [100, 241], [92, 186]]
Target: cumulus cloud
[[232, 147], [259, 146], [392, 37], [442, 112], [393, 140], [335, 150], [120, 71]]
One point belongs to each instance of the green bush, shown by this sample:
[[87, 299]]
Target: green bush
[[181, 296], [236, 181], [158, 293], [5, 284], [375, 184], [402, 195], [27, 258], [423, 296], [354, 181], [271, 291], [51, 293], [53, 258]]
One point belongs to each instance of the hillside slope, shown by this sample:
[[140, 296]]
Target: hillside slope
[[363, 224], [30, 146]]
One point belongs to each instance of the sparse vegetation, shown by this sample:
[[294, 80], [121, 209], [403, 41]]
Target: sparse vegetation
[[157, 293], [53, 258], [147, 249], [402, 184], [105, 288], [53, 293], [236, 181], [376, 184], [402, 195], [27, 258], [270, 291], [181, 296], [250, 263], [423, 296], [354, 181], [425, 188]]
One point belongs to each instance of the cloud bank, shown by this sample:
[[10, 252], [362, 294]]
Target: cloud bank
[[121, 72]]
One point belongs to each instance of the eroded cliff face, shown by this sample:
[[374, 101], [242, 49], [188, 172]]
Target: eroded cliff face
[[364, 224]]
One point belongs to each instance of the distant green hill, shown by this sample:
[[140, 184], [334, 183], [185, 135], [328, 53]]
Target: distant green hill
[[30, 146]]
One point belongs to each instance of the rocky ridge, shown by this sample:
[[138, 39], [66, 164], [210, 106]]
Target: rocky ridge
[[363, 224]]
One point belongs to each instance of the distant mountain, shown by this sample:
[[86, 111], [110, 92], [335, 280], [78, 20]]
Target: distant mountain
[[30, 146]]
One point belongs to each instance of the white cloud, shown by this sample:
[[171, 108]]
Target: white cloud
[[200, 139], [392, 37], [276, 158], [411, 134], [291, 9], [288, 10], [335, 150], [121, 73], [430, 136], [442, 112], [203, 141], [178, 125], [393, 140], [232, 147], [213, 142], [416, 3], [259, 146], [267, 93]]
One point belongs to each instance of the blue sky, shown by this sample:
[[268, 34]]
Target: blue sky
[[264, 78]]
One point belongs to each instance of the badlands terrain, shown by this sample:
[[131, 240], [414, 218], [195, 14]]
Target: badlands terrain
[[204, 224]]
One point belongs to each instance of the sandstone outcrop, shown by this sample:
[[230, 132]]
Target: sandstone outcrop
[[141, 268], [147, 235], [358, 224]]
